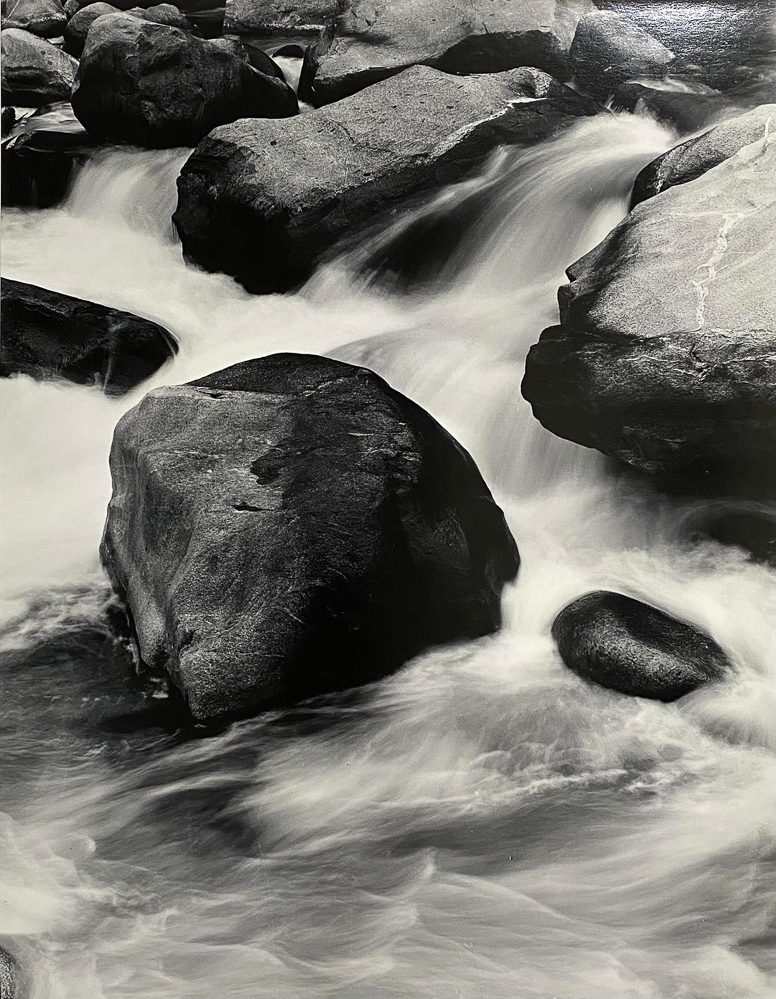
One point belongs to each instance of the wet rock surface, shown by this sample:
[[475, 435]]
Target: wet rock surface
[[155, 85], [634, 648], [48, 335], [291, 526], [264, 201], [34, 72], [370, 41]]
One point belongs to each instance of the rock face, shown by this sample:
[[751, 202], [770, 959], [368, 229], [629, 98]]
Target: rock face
[[50, 335], [78, 26], [39, 155], [684, 111], [35, 72], [41, 17], [8, 975], [155, 85], [629, 646], [277, 17], [666, 353], [609, 49], [693, 158], [373, 39], [264, 200], [291, 526]]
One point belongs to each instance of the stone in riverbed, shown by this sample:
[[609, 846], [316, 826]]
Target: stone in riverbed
[[47, 335], [41, 17], [693, 158], [666, 353], [291, 526], [78, 26], [278, 17], [264, 201], [374, 39], [684, 111], [34, 72], [157, 86], [39, 155], [609, 49], [632, 647]]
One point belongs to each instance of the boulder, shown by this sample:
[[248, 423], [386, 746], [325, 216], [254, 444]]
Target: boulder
[[8, 119], [609, 49], [264, 201], [49, 335], [691, 159], [8, 975], [249, 51], [34, 72], [665, 357], [41, 17], [754, 532], [373, 39], [162, 13], [277, 17], [78, 26], [155, 85], [40, 154], [630, 646], [291, 526], [683, 110]]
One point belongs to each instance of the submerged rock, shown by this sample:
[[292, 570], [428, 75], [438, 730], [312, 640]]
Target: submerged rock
[[291, 526], [278, 17], [41, 17], [264, 201], [666, 353], [754, 532], [685, 111], [635, 648], [40, 154], [49, 335], [155, 85], [693, 158], [34, 72], [373, 39], [609, 49]]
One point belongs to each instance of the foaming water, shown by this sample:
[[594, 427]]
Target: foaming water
[[483, 824]]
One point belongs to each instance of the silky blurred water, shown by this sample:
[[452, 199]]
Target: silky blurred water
[[483, 824]]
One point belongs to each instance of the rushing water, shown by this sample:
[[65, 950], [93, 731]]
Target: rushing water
[[483, 824]]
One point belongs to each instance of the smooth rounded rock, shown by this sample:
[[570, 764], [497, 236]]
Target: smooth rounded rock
[[34, 72], [46, 18]]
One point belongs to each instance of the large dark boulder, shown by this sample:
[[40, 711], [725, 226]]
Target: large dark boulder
[[278, 17], [34, 72], [155, 85], [691, 159], [40, 154], [41, 17], [291, 526], [264, 200], [78, 26], [373, 39], [49, 335], [609, 49], [685, 111], [629, 646], [665, 356]]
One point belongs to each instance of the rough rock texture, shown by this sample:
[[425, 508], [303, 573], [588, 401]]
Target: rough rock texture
[[50, 335], [39, 155], [291, 526], [609, 49], [373, 39], [629, 646], [155, 85], [278, 17], [250, 52], [666, 353], [34, 72], [41, 17], [721, 43], [691, 159], [79, 24], [684, 111], [8, 975], [265, 200]]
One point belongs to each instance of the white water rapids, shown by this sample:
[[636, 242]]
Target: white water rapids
[[482, 825]]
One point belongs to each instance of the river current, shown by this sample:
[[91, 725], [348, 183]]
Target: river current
[[483, 824]]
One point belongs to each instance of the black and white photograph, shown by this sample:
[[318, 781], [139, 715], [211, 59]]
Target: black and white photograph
[[388, 499]]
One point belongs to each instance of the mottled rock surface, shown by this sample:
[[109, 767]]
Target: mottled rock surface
[[155, 85], [373, 39], [632, 647], [49, 335], [666, 353], [34, 72], [291, 526], [41, 17], [264, 200], [277, 17]]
